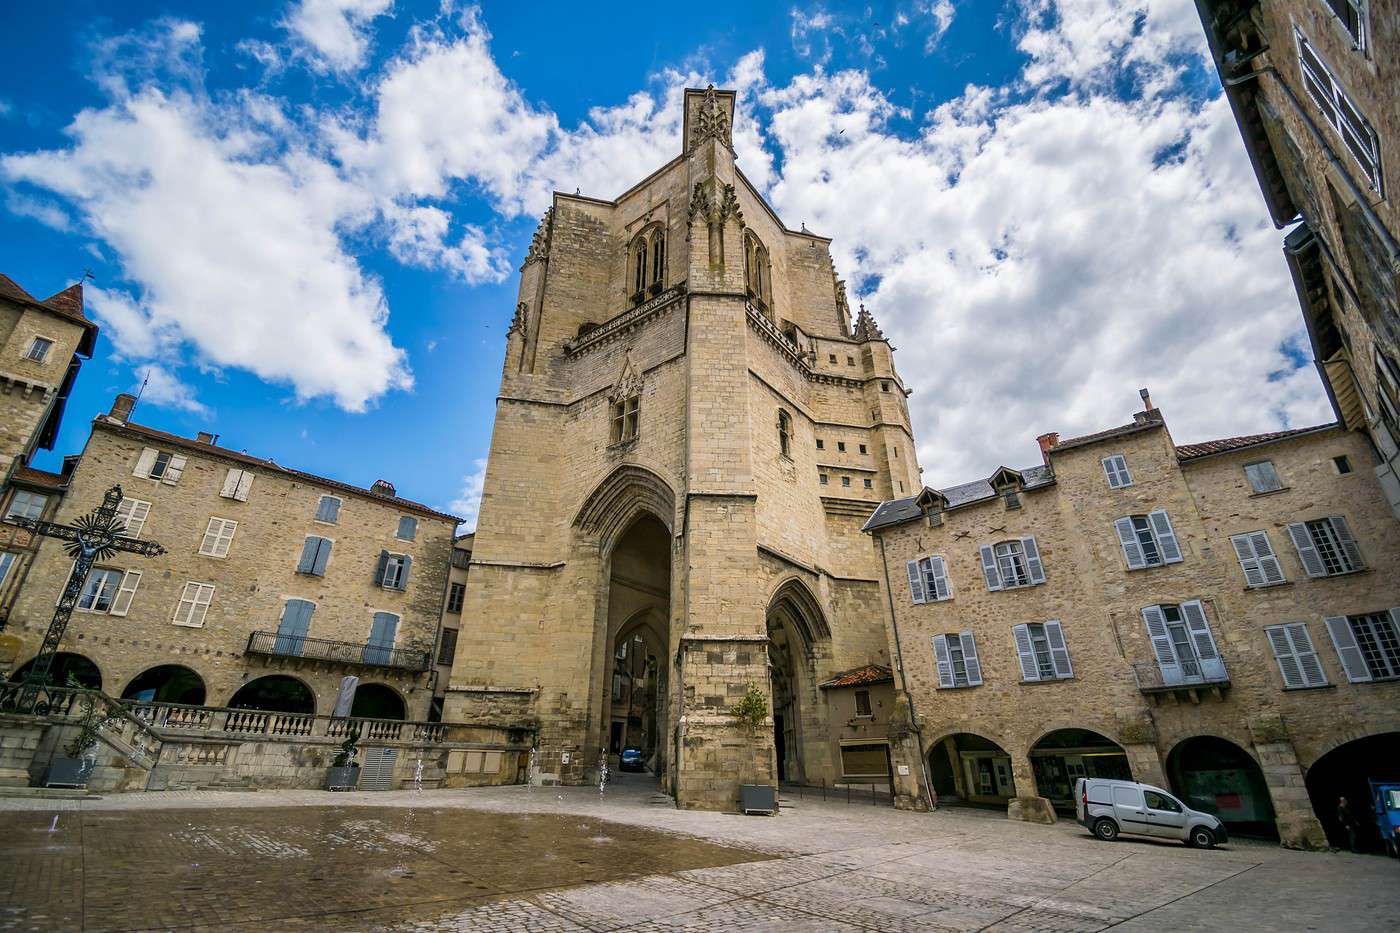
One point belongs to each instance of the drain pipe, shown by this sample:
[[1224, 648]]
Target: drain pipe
[[1392, 249], [903, 682]]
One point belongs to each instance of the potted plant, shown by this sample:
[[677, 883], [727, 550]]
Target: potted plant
[[345, 773], [72, 768], [752, 712]]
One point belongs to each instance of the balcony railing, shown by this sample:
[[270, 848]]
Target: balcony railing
[[180, 718], [275, 645], [1150, 678]]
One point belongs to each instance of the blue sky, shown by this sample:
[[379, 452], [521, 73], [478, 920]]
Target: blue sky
[[304, 218]]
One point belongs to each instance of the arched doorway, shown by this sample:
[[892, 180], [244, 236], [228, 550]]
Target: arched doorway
[[1346, 771], [1062, 757], [1216, 775], [167, 683], [634, 688], [275, 693], [68, 670], [797, 632], [968, 768], [376, 701]]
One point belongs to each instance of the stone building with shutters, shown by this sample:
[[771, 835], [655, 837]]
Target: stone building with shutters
[[1221, 619], [1312, 84], [691, 429], [275, 583]]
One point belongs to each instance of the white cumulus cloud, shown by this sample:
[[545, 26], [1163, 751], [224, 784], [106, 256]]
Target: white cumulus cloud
[[468, 501], [335, 34]]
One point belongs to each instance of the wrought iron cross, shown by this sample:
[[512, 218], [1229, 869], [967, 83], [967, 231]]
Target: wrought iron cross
[[92, 537]]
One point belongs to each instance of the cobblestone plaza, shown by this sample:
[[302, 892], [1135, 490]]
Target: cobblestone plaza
[[560, 859]]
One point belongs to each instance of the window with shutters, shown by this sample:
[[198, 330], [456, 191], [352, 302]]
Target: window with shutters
[[447, 650], [1148, 540], [1116, 469], [160, 465], [461, 558], [100, 590], [194, 604], [133, 514], [1262, 477], [928, 579], [1012, 564], [1326, 547], [1368, 645], [26, 504], [625, 419], [1257, 559], [315, 555], [218, 537], [955, 657], [1183, 644], [393, 571], [379, 648], [1352, 16], [1340, 111], [39, 350], [237, 484], [293, 627], [1042, 652], [408, 528], [456, 595], [328, 510], [1296, 658]]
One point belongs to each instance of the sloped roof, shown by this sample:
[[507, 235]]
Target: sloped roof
[[223, 453], [860, 677], [1123, 430], [1185, 452], [43, 478], [67, 303], [898, 511]]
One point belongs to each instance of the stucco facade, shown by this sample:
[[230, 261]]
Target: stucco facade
[[1095, 694], [689, 434]]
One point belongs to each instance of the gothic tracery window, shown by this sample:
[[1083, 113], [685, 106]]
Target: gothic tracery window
[[784, 433], [625, 419], [757, 276], [648, 260]]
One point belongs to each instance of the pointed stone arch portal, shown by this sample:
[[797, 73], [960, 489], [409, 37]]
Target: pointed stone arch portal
[[798, 640]]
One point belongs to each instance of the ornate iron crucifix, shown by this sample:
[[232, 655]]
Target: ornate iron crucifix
[[92, 537]]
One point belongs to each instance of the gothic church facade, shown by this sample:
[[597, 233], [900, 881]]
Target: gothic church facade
[[690, 433]]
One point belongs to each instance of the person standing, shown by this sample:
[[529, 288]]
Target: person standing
[[1347, 820]]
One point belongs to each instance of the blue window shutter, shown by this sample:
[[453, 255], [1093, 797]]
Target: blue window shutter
[[296, 622], [379, 649], [323, 555], [408, 528], [308, 556], [383, 565], [403, 577]]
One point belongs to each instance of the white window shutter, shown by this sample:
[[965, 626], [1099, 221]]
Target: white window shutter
[[1020, 634], [1268, 560], [1353, 553], [1110, 470], [145, 462], [230, 490], [1059, 651], [1344, 640], [245, 483], [1166, 537], [943, 661], [1212, 667], [1167, 661], [1287, 659], [173, 471], [916, 581], [1132, 550], [989, 567], [974, 669], [1307, 554], [1249, 560], [942, 588], [1034, 567], [121, 605], [1308, 661]]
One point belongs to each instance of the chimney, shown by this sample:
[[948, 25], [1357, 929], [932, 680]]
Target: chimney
[[382, 487], [204, 437], [122, 406], [1146, 415], [1046, 442], [1146, 400]]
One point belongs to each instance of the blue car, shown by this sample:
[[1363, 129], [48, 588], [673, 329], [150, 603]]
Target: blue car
[[631, 759]]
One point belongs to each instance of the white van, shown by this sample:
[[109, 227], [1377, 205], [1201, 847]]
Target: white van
[[1107, 808]]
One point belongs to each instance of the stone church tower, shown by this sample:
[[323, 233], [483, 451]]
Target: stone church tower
[[690, 432]]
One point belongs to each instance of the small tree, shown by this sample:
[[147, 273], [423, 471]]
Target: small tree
[[348, 750], [752, 708], [90, 723]]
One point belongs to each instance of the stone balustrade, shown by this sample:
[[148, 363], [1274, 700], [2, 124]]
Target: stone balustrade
[[178, 717]]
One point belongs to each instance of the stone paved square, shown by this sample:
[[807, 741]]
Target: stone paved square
[[559, 859]]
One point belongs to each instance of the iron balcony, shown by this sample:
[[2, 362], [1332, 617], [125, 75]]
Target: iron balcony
[[271, 644]]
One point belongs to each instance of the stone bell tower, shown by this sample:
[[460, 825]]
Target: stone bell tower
[[688, 438]]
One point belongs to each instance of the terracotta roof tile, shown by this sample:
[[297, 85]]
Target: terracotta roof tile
[[10, 289], [39, 478], [860, 676], [67, 303], [1226, 444]]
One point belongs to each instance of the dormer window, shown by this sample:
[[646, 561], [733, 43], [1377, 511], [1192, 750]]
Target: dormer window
[[932, 502], [1008, 484]]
